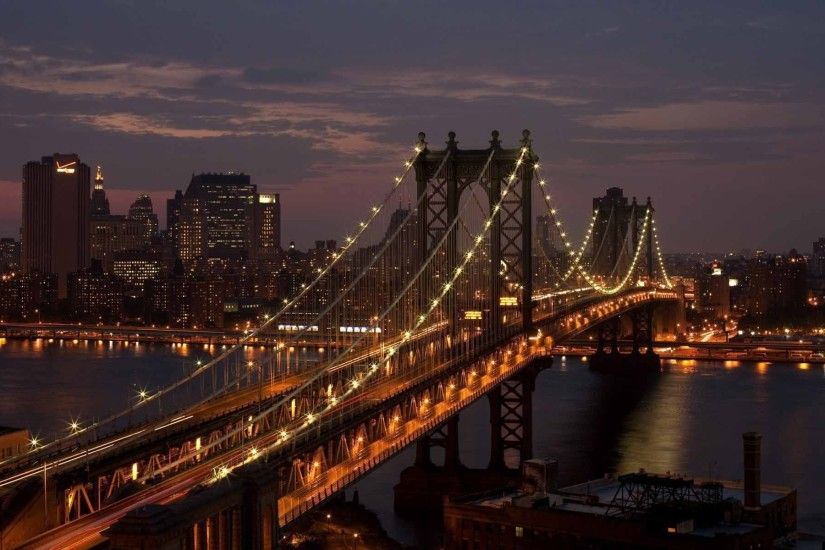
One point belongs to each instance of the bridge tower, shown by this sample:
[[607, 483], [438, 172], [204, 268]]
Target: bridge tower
[[442, 176], [641, 320], [510, 263]]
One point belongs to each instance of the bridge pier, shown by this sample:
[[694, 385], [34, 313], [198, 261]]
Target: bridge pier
[[511, 419], [635, 362], [422, 487], [445, 436]]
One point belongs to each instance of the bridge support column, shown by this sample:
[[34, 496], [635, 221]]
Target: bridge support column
[[422, 453], [600, 339], [511, 419], [445, 436], [211, 532], [452, 459], [634, 362], [223, 531], [614, 336], [236, 528]]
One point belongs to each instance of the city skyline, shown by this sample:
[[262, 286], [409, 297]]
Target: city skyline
[[124, 200], [411, 275], [677, 104]]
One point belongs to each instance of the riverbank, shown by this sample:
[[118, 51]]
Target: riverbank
[[67, 332]]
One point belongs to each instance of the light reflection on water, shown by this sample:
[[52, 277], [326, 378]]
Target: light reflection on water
[[688, 420], [44, 384]]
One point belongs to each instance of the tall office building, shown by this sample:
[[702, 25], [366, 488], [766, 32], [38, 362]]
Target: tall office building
[[217, 216], [546, 237], [775, 288], [548, 257], [99, 205], [56, 217], [173, 207], [111, 233], [267, 227], [714, 291], [9, 255], [142, 211], [609, 246], [95, 295]]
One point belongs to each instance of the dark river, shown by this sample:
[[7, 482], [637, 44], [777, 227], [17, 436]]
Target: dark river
[[688, 420]]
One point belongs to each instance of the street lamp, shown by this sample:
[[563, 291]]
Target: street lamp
[[74, 426]]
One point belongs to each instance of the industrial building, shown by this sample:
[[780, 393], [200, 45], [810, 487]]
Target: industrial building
[[636, 510]]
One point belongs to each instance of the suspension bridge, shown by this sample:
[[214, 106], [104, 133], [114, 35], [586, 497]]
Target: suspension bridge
[[423, 309]]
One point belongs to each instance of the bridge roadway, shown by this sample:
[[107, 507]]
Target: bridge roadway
[[589, 312], [212, 411], [87, 531]]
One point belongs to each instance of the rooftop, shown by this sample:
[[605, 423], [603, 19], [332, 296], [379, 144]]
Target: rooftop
[[602, 496]]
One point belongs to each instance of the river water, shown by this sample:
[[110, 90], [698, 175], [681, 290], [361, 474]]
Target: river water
[[688, 420]]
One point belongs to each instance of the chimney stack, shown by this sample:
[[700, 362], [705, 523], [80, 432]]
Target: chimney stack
[[752, 446]]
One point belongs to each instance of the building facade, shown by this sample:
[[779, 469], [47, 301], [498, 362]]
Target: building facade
[[55, 232], [95, 295], [110, 234], [9, 255], [267, 232], [714, 292], [141, 211], [609, 246], [217, 217]]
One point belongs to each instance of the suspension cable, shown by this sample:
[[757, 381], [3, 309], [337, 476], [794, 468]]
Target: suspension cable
[[349, 242]]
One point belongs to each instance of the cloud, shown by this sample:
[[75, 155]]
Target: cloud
[[26, 70], [605, 31], [322, 138], [217, 101], [463, 85], [283, 75], [666, 156], [129, 123], [710, 115]]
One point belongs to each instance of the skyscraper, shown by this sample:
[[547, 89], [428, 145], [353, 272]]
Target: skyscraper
[[99, 205], [267, 226], [173, 207], [714, 291], [56, 216], [110, 233], [545, 233], [142, 211], [9, 255], [217, 217], [609, 244]]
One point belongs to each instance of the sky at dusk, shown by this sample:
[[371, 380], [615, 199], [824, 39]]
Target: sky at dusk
[[715, 109]]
